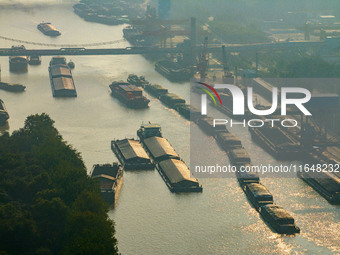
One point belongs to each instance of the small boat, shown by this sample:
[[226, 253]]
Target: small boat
[[34, 60], [149, 130], [71, 64]]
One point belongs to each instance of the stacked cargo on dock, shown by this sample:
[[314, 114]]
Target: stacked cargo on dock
[[131, 154]]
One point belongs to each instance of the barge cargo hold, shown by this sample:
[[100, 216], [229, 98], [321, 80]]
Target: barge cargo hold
[[228, 141], [12, 87], [159, 149], [149, 130], [131, 154], [258, 195], [325, 183], [172, 100], [61, 79], [239, 157], [276, 142], [156, 90], [177, 177], [246, 177], [189, 112], [279, 219], [4, 116], [48, 29], [130, 95], [173, 71], [110, 179]]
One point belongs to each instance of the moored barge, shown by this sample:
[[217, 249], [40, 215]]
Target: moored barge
[[18, 64], [173, 71], [279, 219], [276, 142], [258, 195], [177, 176], [110, 178], [325, 183], [159, 149], [47, 29], [131, 154], [130, 95], [61, 79]]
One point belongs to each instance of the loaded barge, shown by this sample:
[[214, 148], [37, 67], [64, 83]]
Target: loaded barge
[[131, 154], [172, 169], [239, 157], [110, 178], [228, 141], [156, 90], [61, 79], [130, 95], [18, 64], [258, 195], [173, 71], [325, 183], [4, 116], [48, 29], [137, 81], [279, 219], [12, 87]]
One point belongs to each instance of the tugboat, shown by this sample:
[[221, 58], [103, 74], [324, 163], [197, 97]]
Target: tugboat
[[48, 29], [129, 94], [149, 130], [3, 113], [110, 178], [137, 81], [12, 87]]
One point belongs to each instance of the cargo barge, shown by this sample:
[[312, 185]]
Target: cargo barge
[[47, 29], [276, 142], [173, 71], [131, 154], [279, 219], [258, 195], [246, 177], [177, 176], [130, 95], [325, 183], [110, 178], [228, 141], [156, 90], [4, 116], [137, 81], [172, 100], [159, 149], [189, 112], [12, 87], [34, 60], [206, 123], [61, 79], [239, 157], [18, 64]]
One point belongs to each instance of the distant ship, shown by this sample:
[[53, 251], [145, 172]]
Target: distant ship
[[3, 113], [61, 78], [173, 71], [129, 94], [48, 29], [12, 87], [18, 64]]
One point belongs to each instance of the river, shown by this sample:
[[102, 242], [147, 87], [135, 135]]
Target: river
[[148, 218]]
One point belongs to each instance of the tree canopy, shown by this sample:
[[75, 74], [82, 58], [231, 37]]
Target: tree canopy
[[48, 204]]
